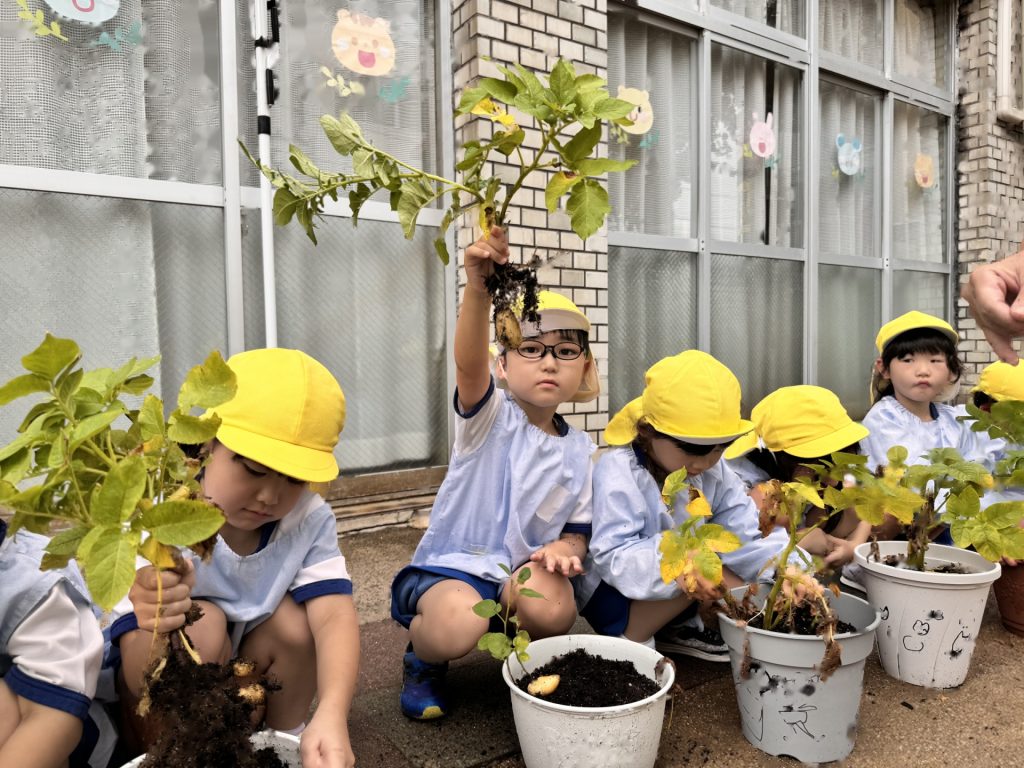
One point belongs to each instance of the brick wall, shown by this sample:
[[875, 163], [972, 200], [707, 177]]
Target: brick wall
[[535, 33], [990, 166]]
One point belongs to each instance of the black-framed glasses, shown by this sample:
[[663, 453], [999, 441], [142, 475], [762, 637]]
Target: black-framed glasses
[[563, 350]]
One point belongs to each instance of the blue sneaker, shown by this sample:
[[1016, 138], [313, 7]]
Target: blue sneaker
[[423, 693]]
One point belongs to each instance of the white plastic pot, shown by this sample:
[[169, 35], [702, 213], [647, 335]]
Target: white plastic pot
[[623, 736], [785, 708], [286, 746], [930, 620]]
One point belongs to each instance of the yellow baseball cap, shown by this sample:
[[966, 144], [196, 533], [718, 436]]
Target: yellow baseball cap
[[1002, 381], [912, 321], [690, 396], [803, 421], [286, 414], [559, 313]]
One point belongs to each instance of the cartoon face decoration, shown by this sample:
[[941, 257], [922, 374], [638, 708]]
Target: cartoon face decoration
[[643, 115], [362, 44], [924, 171], [762, 137], [92, 11], [849, 154]]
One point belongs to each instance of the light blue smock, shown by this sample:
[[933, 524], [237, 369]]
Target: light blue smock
[[511, 488], [891, 424], [630, 518], [747, 471]]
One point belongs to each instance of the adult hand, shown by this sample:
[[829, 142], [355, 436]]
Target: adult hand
[[993, 294], [161, 598]]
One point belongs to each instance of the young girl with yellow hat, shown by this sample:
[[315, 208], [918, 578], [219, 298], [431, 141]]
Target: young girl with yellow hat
[[793, 427], [688, 414], [517, 492], [276, 590]]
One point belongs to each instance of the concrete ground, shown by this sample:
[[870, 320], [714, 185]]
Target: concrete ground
[[980, 724]]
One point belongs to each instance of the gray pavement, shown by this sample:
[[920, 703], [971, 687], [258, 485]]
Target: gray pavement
[[979, 724]]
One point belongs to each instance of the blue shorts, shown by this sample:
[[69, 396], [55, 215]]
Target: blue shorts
[[412, 581], [607, 610]]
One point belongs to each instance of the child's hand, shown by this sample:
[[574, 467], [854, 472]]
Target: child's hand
[[698, 587], [326, 745], [482, 255], [840, 552], [164, 611], [558, 557]]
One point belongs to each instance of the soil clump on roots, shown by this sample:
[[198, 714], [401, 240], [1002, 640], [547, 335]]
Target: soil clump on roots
[[201, 719], [507, 285], [592, 681]]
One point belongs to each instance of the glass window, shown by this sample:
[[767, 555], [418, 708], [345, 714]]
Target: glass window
[[922, 40], [756, 163], [849, 316], [123, 278], [652, 313], [757, 322], [848, 152], [137, 95], [369, 305], [852, 29], [787, 15], [653, 67], [389, 90], [919, 206], [923, 291]]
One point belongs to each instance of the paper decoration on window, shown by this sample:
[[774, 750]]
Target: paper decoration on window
[[848, 154], [924, 171], [394, 91], [126, 38], [642, 115], [649, 140], [363, 44], [762, 137], [91, 11], [344, 87], [40, 28]]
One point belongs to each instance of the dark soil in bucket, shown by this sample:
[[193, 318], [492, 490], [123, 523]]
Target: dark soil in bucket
[[202, 721], [803, 622], [899, 561], [593, 681]]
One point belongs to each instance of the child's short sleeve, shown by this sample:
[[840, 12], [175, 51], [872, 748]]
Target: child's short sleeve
[[323, 570], [473, 426], [56, 654]]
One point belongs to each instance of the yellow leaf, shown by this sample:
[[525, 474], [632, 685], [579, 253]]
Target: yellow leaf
[[158, 554], [807, 492], [487, 108], [673, 484], [698, 506]]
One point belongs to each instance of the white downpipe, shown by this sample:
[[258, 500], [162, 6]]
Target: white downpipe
[[260, 33], [1006, 102]]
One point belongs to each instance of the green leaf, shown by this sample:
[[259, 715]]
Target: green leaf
[[120, 493], [302, 162], [470, 98], [357, 195], [718, 539], [66, 542], [709, 564], [441, 247], [15, 467], [487, 608], [192, 430], [109, 565], [207, 385], [558, 185], [563, 81], [581, 146], [137, 385], [612, 109], [343, 132], [93, 425], [587, 207], [182, 523], [151, 418], [897, 455], [496, 644], [527, 592], [506, 143], [524, 575], [505, 568], [51, 357], [599, 165], [415, 194], [20, 386], [588, 82], [497, 89]]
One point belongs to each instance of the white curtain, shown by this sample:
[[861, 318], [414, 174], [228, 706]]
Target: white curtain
[[922, 28], [655, 196], [918, 211], [742, 209], [852, 29], [788, 14]]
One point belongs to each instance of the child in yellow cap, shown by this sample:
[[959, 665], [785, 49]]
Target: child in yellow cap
[[517, 492], [688, 414], [793, 427], [277, 590]]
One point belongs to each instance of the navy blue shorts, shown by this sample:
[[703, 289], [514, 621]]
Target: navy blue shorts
[[412, 581], [607, 610]]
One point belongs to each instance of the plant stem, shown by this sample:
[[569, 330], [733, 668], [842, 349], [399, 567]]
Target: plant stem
[[524, 172]]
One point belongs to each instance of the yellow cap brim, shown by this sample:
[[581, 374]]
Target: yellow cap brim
[[741, 446], [830, 443], [743, 427], [291, 460], [621, 429]]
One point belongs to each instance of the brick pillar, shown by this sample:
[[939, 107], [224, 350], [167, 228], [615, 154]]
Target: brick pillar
[[535, 33], [990, 166]]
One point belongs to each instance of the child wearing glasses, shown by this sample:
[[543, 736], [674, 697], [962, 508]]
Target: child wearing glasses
[[517, 492], [688, 413]]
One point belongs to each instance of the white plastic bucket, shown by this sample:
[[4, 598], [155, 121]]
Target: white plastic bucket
[[930, 620], [286, 746], [785, 708], [558, 736]]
